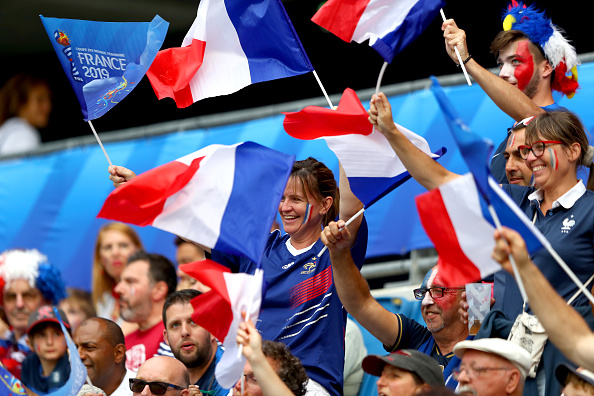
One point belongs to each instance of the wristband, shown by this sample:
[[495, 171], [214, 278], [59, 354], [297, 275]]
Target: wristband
[[466, 61]]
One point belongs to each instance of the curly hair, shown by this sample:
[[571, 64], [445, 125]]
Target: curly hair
[[289, 367]]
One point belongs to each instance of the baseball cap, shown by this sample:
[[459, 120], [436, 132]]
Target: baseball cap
[[508, 350], [406, 359], [563, 369], [46, 313]]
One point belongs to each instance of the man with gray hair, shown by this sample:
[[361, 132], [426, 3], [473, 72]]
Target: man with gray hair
[[491, 366]]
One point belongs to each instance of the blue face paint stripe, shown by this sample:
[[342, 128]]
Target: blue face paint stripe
[[553, 156], [307, 214]]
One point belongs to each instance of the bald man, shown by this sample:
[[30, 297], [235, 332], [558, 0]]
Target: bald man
[[160, 371], [102, 349]]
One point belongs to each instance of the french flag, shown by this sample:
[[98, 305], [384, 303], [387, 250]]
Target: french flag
[[389, 25], [456, 218], [229, 296], [230, 45], [222, 197], [372, 167]]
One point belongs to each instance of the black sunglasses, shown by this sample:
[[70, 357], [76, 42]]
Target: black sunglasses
[[157, 387]]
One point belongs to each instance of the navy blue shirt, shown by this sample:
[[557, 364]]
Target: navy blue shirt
[[208, 381], [32, 378], [497, 166], [570, 230]]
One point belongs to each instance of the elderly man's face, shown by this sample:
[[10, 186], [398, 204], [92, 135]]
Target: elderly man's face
[[20, 300], [484, 374]]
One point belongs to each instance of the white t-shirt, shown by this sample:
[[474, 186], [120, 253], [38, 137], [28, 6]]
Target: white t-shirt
[[17, 136]]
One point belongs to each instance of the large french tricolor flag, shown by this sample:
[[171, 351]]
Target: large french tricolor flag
[[372, 167], [222, 197], [219, 310], [230, 45], [389, 25]]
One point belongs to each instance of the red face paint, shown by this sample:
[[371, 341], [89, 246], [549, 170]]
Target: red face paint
[[524, 71]]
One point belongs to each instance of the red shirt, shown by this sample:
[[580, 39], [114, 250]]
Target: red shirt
[[142, 345]]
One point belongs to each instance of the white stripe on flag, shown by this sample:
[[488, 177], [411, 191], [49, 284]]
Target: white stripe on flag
[[474, 233], [197, 210], [371, 155], [380, 18], [223, 55]]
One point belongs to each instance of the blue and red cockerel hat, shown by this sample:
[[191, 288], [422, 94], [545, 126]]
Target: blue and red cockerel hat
[[541, 31]]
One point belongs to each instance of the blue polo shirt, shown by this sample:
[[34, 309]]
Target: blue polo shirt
[[569, 227], [497, 165]]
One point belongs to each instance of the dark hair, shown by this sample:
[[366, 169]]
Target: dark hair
[[178, 297], [15, 93], [564, 126], [160, 268], [318, 181], [506, 37], [290, 370], [113, 332]]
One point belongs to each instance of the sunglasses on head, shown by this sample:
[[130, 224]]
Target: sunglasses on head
[[157, 387]]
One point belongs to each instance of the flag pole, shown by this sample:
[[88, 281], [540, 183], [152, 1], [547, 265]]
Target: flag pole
[[247, 315], [99, 141], [380, 77], [510, 257], [460, 62], [345, 225], [323, 90]]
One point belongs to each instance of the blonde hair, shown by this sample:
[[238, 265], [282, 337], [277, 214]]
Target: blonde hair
[[102, 282]]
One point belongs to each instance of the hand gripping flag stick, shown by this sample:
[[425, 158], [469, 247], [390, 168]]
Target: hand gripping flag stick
[[345, 225], [461, 63]]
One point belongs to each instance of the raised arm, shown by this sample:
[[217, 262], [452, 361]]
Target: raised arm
[[564, 325], [268, 380], [352, 288], [349, 204], [424, 169], [506, 96]]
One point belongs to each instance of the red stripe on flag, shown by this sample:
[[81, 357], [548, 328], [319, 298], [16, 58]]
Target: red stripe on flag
[[311, 288], [214, 302], [350, 117], [141, 199], [173, 69], [341, 17], [455, 267]]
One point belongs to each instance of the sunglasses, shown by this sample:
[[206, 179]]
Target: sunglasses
[[157, 387], [434, 292]]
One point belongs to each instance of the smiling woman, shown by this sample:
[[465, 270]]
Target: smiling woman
[[301, 307]]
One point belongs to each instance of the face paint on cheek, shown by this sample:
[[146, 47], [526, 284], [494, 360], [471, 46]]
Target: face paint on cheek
[[554, 161], [307, 214], [511, 140], [523, 72], [132, 291]]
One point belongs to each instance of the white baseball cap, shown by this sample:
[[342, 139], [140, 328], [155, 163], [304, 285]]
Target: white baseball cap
[[508, 350]]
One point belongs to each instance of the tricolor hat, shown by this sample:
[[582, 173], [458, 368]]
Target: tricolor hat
[[541, 31]]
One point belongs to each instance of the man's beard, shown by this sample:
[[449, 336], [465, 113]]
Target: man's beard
[[532, 86], [198, 359]]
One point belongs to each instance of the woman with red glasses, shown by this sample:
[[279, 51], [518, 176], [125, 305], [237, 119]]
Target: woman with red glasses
[[559, 204]]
